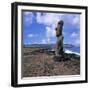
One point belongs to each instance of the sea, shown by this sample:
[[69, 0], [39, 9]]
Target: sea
[[75, 50]]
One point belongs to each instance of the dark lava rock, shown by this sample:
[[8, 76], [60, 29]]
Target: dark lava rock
[[66, 57]]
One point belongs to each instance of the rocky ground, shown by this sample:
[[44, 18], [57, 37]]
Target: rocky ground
[[38, 63]]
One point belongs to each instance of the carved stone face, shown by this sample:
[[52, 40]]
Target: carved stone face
[[59, 28], [60, 24]]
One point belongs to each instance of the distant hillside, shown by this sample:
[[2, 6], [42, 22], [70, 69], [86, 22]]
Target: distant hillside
[[51, 47], [48, 45]]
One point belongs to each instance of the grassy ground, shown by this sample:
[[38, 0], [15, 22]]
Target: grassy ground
[[38, 63]]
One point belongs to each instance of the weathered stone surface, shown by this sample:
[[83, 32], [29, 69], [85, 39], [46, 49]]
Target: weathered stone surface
[[59, 44]]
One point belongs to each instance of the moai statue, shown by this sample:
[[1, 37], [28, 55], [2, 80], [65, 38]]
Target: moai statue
[[59, 44]]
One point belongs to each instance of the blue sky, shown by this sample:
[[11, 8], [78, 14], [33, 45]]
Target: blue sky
[[39, 27]]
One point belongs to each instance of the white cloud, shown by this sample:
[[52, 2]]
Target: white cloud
[[48, 18], [27, 13], [29, 16], [48, 40], [76, 21], [51, 19], [50, 32], [74, 35], [44, 41], [32, 35], [39, 18], [77, 42], [75, 38], [71, 20]]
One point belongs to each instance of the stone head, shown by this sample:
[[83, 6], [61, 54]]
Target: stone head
[[60, 23]]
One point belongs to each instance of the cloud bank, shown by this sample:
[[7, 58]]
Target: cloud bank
[[49, 20]]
